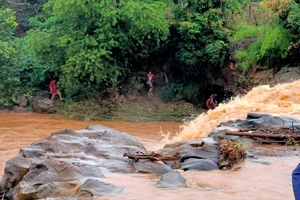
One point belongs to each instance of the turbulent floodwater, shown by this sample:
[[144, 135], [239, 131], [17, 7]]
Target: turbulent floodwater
[[253, 181], [281, 100]]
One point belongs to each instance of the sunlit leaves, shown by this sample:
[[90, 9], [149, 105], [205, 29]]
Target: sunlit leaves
[[7, 26]]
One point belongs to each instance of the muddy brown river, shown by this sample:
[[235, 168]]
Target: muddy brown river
[[268, 180]]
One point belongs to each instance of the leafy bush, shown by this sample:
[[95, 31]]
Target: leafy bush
[[176, 91], [192, 93], [244, 30], [249, 57], [170, 91], [271, 46]]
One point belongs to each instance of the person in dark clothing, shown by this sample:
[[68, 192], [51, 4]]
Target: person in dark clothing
[[211, 102], [296, 182]]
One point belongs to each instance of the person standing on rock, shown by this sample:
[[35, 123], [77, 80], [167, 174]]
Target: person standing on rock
[[54, 91], [150, 77]]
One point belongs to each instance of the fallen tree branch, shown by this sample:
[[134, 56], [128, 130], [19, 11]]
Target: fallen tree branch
[[267, 135], [152, 156]]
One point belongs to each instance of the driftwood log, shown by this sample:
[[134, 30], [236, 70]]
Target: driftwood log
[[152, 156], [269, 135]]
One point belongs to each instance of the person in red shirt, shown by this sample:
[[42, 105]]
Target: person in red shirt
[[150, 77], [54, 91]]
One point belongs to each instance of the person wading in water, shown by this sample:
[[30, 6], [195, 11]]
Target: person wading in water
[[54, 91], [211, 102], [150, 77]]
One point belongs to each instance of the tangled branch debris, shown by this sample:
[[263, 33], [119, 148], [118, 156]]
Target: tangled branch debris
[[282, 135], [231, 152]]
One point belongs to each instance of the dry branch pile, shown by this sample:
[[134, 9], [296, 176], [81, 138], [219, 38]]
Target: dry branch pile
[[282, 135], [231, 152]]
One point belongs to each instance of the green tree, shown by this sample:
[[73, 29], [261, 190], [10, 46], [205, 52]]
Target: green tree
[[8, 81], [203, 43], [3, 3], [90, 44], [292, 25], [7, 26]]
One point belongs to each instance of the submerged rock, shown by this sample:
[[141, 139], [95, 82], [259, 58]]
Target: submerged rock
[[171, 180]]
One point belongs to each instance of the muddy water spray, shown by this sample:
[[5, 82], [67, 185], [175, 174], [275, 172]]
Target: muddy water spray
[[281, 100]]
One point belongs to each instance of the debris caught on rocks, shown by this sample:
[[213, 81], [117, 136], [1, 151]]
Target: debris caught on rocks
[[152, 156], [281, 135], [231, 152]]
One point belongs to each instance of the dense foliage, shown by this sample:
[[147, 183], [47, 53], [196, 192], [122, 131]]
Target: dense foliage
[[91, 45], [273, 32], [8, 80]]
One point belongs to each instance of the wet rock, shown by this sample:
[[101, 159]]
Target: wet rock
[[171, 180], [151, 168], [21, 101], [70, 164], [252, 153], [19, 109], [96, 188], [43, 105], [287, 76], [260, 161], [199, 164], [218, 134], [15, 170], [264, 120], [206, 152], [169, 152], [190, 153]]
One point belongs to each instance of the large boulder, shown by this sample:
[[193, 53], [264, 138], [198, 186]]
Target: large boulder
[[292, 74], [21, 101], [43, 105], [19, 109], [254, 120], [201, 155], [72, 164]]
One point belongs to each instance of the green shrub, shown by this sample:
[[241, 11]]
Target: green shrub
[[170, 91], [191, 93], [244, 30]]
